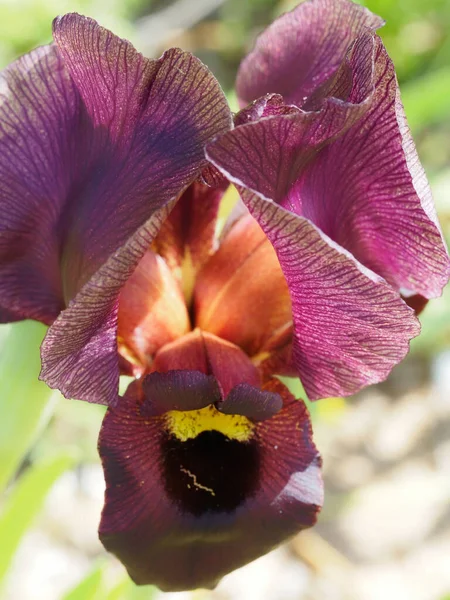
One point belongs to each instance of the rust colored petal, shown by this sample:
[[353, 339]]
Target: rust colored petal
[[187, 237], [152, 311], [204, 352], [241, 294]]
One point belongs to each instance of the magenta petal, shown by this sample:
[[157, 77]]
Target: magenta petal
[[367, 190], [270, 105], [350, 326], [302, 49], [181, 515], [40, 128]]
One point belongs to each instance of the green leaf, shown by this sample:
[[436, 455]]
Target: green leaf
[[426, 99], [127, 590], [89, 588], [24, 503], [25, 403], [296, 388]]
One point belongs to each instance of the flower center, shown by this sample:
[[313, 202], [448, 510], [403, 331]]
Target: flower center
[[211, 472]]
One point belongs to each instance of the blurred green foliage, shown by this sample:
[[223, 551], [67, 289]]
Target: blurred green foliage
[[24, 503], [418, 39]]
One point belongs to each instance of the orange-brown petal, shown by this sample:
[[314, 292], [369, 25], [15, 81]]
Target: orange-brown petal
[[187, 237], [241, 294], [152, 311], [204, 352]]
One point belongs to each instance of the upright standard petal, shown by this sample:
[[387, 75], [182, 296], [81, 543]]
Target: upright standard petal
[[350, 327], [152, 312], [171, 515], [119, 209], [367, 189], [302, 49], [156, 116], [41, 129]]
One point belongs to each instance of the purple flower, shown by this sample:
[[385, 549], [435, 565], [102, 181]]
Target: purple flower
[[97, 143], [209, 461], [108, 235], [334, 180]]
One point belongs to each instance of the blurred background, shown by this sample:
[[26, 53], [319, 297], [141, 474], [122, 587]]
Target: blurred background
[[384, 531]]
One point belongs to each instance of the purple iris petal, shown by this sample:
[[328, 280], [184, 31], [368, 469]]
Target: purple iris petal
[[302, 49], [97, 144], [369, 193], [350, 327], [41, 124], [181, 514], [348, 177]]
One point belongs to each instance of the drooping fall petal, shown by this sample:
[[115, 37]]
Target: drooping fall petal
[[171, 514], [175, 106], [302, 49]]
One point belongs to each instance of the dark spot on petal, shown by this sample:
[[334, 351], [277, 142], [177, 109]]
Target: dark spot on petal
[[210, 473]]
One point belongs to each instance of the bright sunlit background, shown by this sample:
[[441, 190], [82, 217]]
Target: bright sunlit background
[[384, 532]]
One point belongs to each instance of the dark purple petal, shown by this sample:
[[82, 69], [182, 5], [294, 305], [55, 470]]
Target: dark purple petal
[[178, 390], [257, 405], [302, 49], [368, 191], [40, 127], [269, 156], [79, 353], [350, 327], [364, 188], [157, 116], [183, 514]]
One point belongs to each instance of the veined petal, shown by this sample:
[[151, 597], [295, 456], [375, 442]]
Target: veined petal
[[79, 353], [129, 194], [302, 49], [367, 190], [270, 105], [187, 238], [152, 312], [350, 327], [171, 515], [152, 119], [41, 127]]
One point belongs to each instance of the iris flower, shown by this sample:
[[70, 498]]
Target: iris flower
[[109, 234]]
